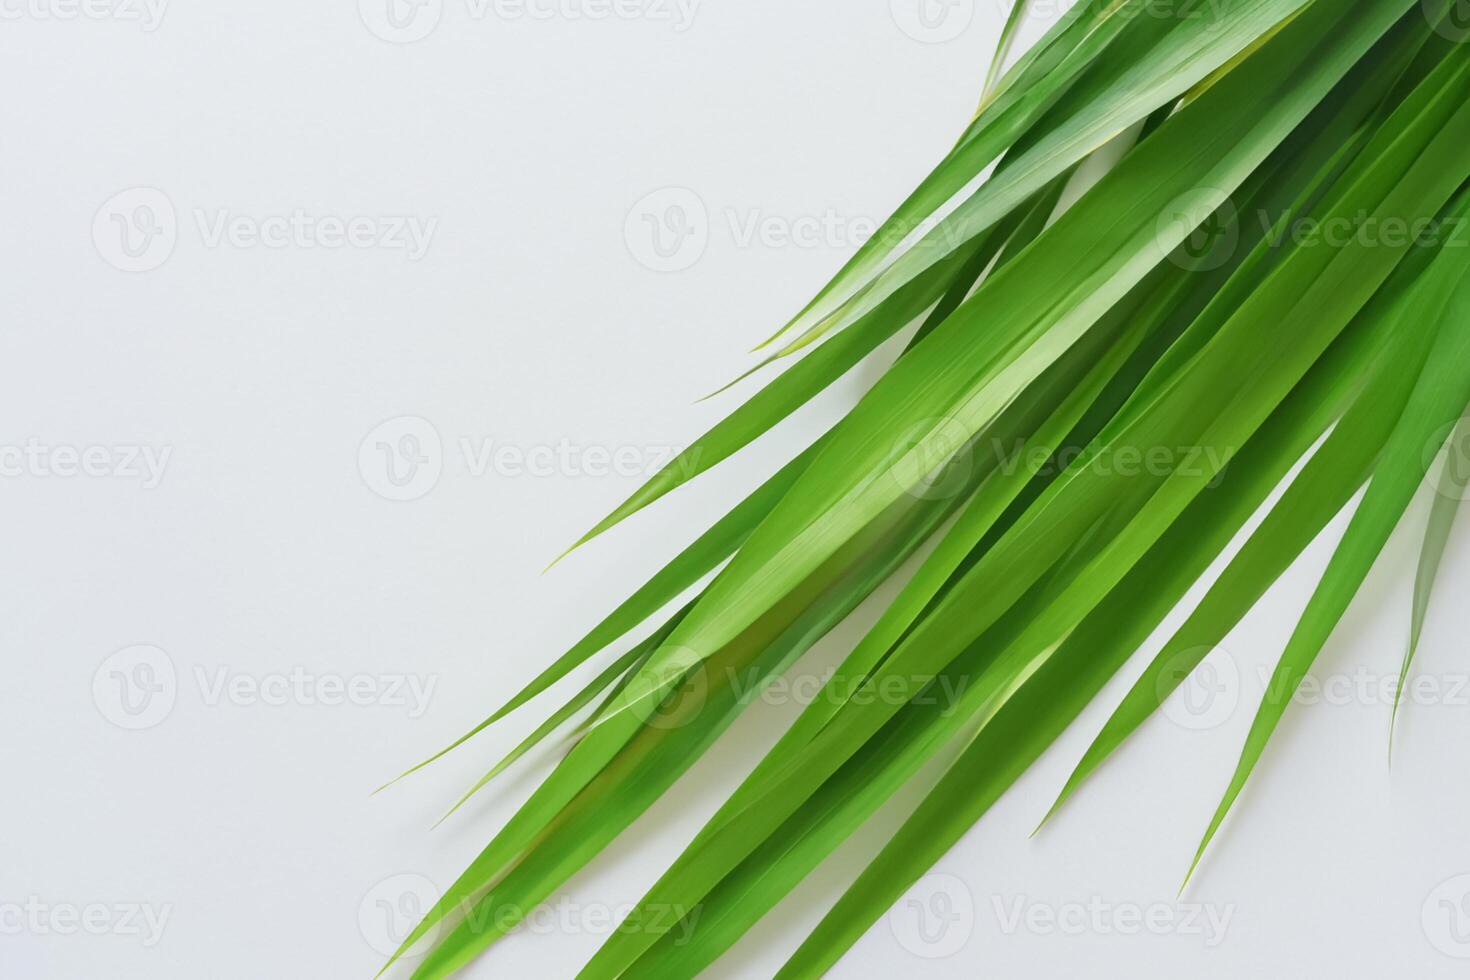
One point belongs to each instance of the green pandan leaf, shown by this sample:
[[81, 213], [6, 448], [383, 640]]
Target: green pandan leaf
[[1255, 314]]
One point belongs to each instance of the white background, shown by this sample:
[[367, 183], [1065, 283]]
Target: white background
[[533, 321]]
